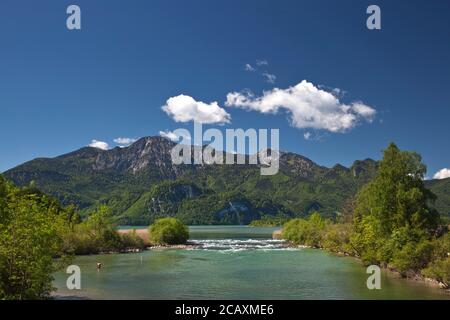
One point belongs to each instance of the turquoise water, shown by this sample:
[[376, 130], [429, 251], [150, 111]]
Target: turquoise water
[[234, 262]]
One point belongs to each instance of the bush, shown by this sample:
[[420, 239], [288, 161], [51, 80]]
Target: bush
[[306, 232], [168, 231], [132, 240], [413, 256], [439, 270], [295, 231], [337, 238], [97, 234]]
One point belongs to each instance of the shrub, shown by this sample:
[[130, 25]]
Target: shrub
[[337, 238], [413, 256], [295, 231], [168, 231], [97, 234], [306, 232], [439, 270], [132, 240]]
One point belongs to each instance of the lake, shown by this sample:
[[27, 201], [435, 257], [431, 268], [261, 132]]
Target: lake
[[234, 262]]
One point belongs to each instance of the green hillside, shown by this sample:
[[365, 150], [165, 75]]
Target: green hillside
[[140, 184]]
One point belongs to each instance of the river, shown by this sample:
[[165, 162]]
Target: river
[[234, 262]]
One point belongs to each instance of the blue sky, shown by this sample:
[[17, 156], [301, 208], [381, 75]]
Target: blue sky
[[61, 89]]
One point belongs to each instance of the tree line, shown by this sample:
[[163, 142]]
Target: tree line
[[35, 229], [389, 222], [38, 237]]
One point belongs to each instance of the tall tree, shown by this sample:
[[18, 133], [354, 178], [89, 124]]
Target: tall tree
[[393, 209], [31, 226]]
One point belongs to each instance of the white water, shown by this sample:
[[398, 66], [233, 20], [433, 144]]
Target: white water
[[240, 244]]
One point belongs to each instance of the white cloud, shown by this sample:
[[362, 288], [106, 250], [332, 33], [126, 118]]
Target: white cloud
[[307, 135], [172, 135], [262, 62], [99, 144], [442, 174], [363, 110], [184, 108], [337, 92], [248, 67], [270, 78], [169, 135], [124, 141], [309, 107]]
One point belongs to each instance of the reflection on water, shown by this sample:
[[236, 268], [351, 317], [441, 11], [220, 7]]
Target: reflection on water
[[234, 263]]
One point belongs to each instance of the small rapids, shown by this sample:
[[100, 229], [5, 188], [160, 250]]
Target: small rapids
[[240, 245]]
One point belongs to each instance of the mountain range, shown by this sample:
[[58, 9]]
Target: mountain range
[[140, 183]]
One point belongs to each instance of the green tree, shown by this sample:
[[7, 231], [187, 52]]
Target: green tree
[[168, 231], [392, 212], [31, 227]]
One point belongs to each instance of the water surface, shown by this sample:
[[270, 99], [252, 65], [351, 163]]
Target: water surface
[[235, 262]]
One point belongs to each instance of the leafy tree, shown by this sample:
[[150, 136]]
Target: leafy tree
[[392, 212], [168, 231], [31, 227]]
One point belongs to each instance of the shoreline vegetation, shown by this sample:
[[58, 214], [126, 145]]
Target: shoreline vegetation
[[164, 233], [389, 223], [270, 221], [412, 276], [39, 237]]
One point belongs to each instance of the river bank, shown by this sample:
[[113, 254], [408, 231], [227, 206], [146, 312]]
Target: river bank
[[411, 276]]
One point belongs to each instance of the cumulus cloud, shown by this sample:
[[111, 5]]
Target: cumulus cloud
[[442, 174], [337, 92], [248, 67], [124, 141], [172, 135], [270, 78], [99, 144], [183, 108], [308, 106]]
